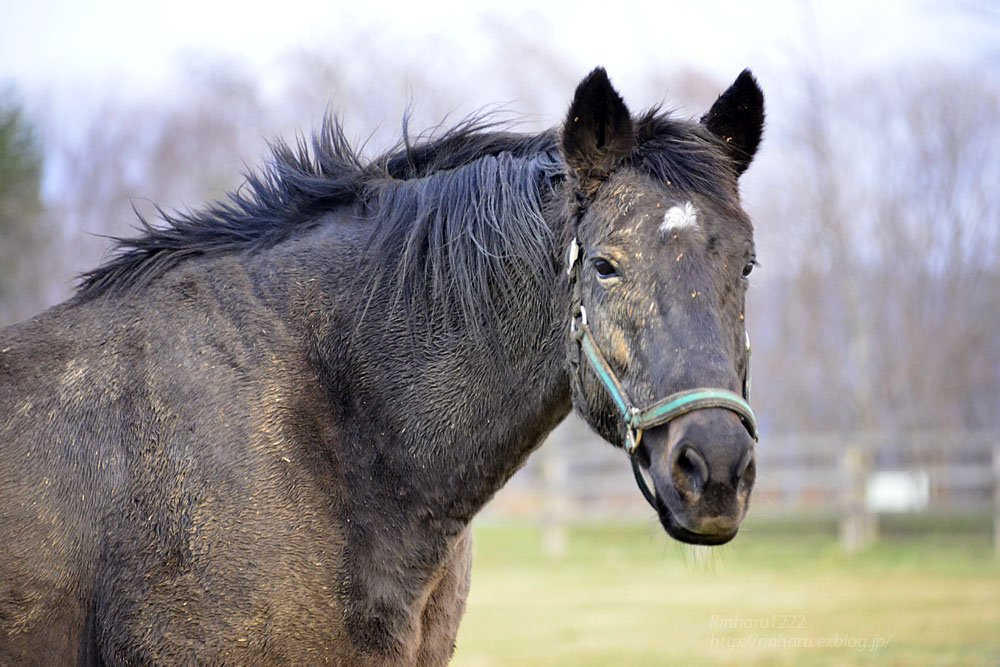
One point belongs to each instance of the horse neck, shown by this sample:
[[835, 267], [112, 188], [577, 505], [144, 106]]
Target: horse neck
[[443, 419]]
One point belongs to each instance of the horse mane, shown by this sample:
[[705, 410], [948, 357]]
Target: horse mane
[[294, 189], [449, 212]]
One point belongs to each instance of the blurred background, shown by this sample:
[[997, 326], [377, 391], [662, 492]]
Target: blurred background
[[873, 532]]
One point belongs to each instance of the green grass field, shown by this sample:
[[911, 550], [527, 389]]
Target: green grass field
[[781, 593]]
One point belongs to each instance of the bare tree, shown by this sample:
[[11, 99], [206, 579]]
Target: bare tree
[[892, 212]]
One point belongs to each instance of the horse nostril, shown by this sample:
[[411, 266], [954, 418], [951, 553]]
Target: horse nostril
[[745, 472], [689, 472]]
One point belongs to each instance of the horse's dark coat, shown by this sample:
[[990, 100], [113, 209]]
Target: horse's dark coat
[[259, 434]]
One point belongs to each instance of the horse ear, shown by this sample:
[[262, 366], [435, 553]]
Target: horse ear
[[598, 132], [738, 118]]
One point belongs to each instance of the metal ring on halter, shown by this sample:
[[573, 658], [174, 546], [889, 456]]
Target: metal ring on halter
[[633, 436]]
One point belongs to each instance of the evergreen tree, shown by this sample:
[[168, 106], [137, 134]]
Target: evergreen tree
[[20, 210]]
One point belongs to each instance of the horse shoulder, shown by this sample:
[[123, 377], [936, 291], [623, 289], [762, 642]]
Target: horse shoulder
[[56, 483]]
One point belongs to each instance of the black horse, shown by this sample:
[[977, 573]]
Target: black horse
[[259, 434]]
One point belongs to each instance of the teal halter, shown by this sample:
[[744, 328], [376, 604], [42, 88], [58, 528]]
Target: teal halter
[[637, 420]]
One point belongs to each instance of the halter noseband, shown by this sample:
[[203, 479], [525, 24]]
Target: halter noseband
[[638, 419]]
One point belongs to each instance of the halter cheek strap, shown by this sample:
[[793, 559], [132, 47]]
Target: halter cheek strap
[[661, 412]]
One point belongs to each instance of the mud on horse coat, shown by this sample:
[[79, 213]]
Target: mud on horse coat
[[258, 435]]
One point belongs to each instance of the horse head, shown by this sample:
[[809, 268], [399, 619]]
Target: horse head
[[658, 268]]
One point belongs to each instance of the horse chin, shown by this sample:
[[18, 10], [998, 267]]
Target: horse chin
[[681, 533]]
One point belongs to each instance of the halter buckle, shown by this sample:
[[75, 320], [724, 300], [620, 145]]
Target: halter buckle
[[581, 317], [572, 255]]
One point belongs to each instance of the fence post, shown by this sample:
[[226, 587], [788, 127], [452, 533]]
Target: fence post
[[996, 501], [857, 526], [555, 476]]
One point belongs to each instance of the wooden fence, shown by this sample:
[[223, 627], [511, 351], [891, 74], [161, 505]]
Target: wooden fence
[[854, 478]]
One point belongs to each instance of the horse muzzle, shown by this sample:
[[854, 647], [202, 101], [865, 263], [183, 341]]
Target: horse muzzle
[[703, 470]]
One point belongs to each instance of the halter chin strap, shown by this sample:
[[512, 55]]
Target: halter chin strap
[[638, 419]]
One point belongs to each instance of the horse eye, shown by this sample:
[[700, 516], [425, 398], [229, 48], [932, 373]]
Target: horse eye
[[605, 269], [748, 268]]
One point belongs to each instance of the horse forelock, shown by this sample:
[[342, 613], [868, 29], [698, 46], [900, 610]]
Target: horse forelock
[[686, 156]]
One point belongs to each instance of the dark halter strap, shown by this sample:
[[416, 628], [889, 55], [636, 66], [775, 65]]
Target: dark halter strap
[[638, 419]]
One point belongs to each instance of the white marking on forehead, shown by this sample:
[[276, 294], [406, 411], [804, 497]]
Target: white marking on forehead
[[682, 216]]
